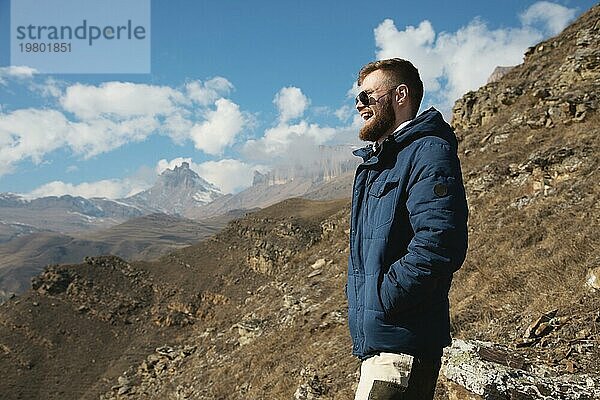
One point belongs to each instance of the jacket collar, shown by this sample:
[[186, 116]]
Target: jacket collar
[[429, 122]]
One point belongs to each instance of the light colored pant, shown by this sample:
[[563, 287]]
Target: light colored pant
[[387, 367]]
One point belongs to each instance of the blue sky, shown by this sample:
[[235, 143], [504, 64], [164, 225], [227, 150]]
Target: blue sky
[[238, 86]]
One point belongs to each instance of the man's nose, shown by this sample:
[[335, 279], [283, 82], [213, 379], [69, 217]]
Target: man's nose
[[359, 106]]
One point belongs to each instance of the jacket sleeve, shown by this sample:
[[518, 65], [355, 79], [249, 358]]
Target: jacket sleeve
[[437, 210]]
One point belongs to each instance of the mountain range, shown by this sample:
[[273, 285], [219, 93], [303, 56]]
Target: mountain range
[[50, 230]]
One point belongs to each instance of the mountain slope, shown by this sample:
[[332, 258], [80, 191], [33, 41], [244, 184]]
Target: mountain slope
[[64, 214], [191, 297], [531, 146], [142, 238]]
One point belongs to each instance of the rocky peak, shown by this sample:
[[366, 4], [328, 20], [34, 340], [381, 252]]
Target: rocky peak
[[177, 190], [183, 176]]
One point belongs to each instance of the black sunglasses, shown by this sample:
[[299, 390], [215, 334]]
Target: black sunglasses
[[365, 98]]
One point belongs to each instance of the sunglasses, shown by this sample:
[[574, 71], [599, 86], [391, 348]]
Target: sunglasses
[[365, 98]]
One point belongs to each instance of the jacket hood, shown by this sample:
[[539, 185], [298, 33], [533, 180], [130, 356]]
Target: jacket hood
[[429, 123]]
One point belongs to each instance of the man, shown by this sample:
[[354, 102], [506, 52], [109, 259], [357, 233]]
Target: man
[[408, 235]]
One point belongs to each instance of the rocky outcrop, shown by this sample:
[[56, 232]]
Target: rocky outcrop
[[491, 371], [151, 374], [498, 73], [556, 85]]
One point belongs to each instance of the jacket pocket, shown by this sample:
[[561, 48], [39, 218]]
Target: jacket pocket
[[382, 203]]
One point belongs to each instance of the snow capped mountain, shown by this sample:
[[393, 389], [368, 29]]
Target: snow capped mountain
[[176, 191], [61, 213]]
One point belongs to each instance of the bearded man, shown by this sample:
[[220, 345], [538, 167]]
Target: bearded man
[[408, 235]]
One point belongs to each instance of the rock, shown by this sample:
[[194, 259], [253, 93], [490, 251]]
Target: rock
[[248, 330], [314, 273], [593, 279], [541, 326], [320, 263], [52, 281], [123, 390], [541, 93], [312, 387], [507, 377], [123, 380], [498, 73]]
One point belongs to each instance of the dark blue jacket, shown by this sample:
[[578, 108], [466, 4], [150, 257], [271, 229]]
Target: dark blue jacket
[[408, 234]]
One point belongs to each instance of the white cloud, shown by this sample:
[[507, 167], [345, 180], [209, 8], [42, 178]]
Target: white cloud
[[229, 175], [110, 188], [120, 99], [90, 138], [278, 140], [49, 88], [142, 179], [291, 103], [293, 142], [33, 133], [353, 91], [177, 126], [30, 133], [219, 129], [452, 63], [112, 114], [16, 72], [345, 112], [206, 93], [553, 17]]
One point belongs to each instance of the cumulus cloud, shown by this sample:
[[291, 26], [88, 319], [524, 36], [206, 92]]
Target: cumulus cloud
[[33, 133], [92, 120], [552, 17], [416, 43], [206, 93], [452, 63], [120, 99], [178, 126], [219, 128], [290, 142], [344, 113], [109, 188], [291, 103], [49, 88], [30, 133], [229, 175], [142, 179], [278, 141], [90, 138], [16, 72]]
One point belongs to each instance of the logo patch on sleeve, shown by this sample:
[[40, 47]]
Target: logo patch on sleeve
[[440, 189]]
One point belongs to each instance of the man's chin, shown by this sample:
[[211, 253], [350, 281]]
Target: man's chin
[[368, 134]]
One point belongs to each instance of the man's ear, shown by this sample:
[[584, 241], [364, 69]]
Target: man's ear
[[402, 93]]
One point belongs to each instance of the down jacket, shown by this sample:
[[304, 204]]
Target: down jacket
[[408, 235]]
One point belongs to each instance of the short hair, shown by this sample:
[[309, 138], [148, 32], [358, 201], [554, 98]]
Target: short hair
[[398, 71]]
